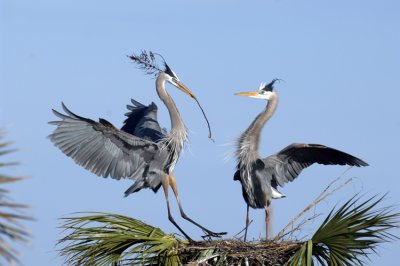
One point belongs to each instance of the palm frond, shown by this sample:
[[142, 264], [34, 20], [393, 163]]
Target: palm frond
[[349, 234], [10, 214], [111, 239], [346, 237]]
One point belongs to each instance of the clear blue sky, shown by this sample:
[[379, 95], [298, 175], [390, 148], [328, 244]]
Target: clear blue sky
[[340, 61]]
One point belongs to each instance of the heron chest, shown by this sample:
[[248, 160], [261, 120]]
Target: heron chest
[[256, 186]]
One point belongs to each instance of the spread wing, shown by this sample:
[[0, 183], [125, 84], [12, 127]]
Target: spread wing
[[287, 164], [142, 121], [100, 147]]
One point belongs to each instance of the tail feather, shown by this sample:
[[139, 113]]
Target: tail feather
[[138, 185]]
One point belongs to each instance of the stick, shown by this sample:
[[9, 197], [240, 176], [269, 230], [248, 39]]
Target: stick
[[324, 194]]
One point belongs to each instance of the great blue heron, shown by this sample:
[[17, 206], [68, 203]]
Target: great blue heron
[[141, 150], [260, 177]]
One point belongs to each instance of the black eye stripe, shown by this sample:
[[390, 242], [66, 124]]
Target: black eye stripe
[[169, 71]]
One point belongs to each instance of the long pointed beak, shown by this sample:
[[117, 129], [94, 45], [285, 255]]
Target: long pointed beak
[[185, 89], [247, 93]]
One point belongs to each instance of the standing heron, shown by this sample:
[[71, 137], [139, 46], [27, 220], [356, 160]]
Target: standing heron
[[260, 177], [141, 150]]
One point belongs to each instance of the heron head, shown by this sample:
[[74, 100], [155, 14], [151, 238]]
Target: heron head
[[265, 91], [172, 78], [147, 61]]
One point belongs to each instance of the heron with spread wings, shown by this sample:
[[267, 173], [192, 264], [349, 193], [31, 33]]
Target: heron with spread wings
[[260, 177], [141, 150]]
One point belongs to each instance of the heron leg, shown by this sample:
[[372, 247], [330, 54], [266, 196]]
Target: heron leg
[[247, 222], [165, 184], [266, 221], [172, 183]]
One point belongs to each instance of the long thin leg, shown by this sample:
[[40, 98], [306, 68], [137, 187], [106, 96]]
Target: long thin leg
[[172, 183], [165, 184], [266, 221], [247, 222]]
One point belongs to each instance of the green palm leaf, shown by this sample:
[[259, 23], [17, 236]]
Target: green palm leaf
[[10, 214], [346, 237], [349, 234], [111, 239]]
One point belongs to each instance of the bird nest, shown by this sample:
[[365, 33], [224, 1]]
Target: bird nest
[[236, 252]]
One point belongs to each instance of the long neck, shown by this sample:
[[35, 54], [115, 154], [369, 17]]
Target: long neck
[[178, 134], [176, 121], [248, 143]]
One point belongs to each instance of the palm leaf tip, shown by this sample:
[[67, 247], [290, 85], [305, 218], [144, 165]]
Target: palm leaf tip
[[350, 233], [111, 239], [11, 213]]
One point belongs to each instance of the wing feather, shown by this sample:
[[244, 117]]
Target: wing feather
[[142, 121], [99, 146], [289, 162]]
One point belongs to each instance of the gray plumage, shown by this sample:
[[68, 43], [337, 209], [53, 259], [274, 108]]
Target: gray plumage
[[260, 177], [142, 121], [267, 174], [141, 150]]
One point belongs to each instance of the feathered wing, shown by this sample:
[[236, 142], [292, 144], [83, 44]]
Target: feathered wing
[[142, 121], [136, 112], [100, 147], [287, 164]]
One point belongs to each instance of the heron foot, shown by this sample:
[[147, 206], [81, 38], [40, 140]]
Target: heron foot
[[209, 234]]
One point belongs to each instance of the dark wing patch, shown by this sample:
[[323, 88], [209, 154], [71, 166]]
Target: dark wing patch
[[137, 112], [289, 162], [259, 164], [236, 176], [142, 122], [105, 123], [99, 146], [316, 153]]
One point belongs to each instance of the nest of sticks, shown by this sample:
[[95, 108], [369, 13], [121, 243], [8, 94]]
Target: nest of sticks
[[236, 252]]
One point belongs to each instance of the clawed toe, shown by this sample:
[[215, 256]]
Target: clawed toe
[[209, 234]]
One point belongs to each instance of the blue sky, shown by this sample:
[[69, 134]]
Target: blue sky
[[339, 59]]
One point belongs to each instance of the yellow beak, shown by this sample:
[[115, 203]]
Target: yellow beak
[[185, 89], [247, 93]]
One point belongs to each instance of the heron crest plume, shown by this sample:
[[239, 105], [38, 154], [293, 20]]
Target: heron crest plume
[[269, 86]]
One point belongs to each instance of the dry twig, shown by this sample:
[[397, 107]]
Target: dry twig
[[324, 194]]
